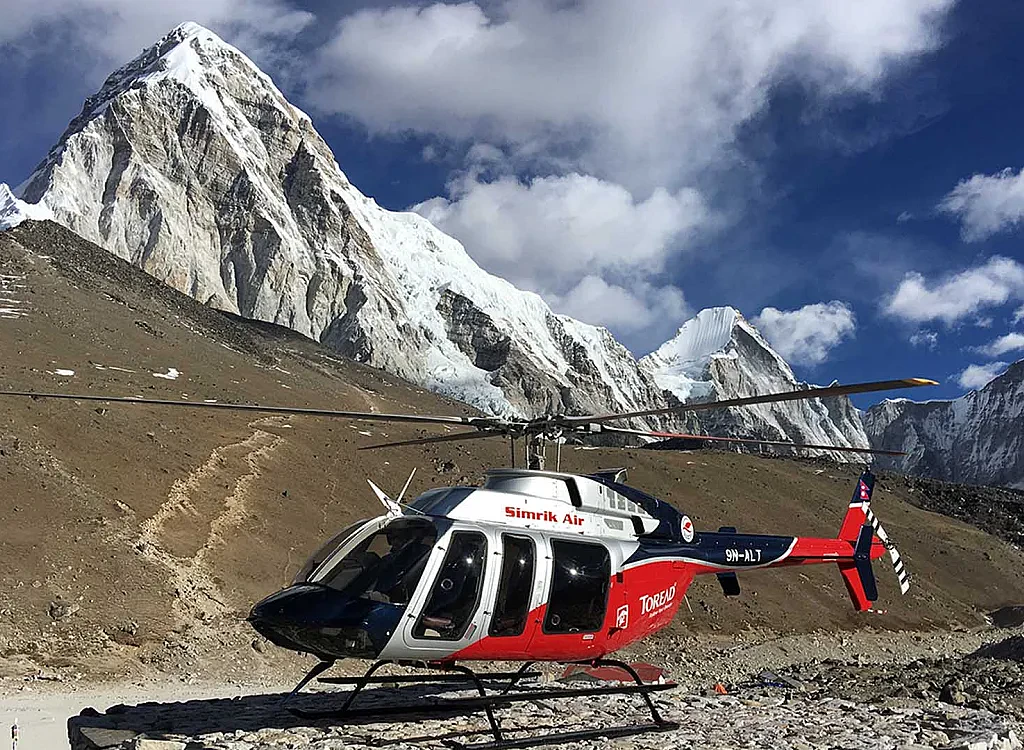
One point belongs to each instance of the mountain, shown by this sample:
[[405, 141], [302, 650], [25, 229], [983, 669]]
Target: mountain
[[719, 355], [192, 165], [975, 439], [14, 211]]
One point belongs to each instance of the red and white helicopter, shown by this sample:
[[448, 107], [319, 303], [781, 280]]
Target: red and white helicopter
[[532, 566]]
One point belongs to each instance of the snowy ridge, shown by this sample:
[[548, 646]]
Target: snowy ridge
[[679, 365], [192, 165], [719, 355], [14, 211], [976, 439]]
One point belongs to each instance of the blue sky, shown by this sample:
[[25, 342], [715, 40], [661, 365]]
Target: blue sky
[[847, 175]]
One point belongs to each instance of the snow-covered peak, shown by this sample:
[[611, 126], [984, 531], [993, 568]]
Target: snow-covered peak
[[707, 333], [196, 57], [679, 366], [719, 355], [191, 29], [14, 211]]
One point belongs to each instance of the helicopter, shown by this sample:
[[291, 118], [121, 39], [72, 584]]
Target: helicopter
[[531, 566]]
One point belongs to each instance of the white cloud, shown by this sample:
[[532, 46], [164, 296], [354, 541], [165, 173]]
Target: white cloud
[[1011, 342], [977, 376], [807, 335], [646, 314], [584, 244], [549, 233], [957, 296], [111, 32], [987, 204], [642, 98], [927, 339], [1018, 315]]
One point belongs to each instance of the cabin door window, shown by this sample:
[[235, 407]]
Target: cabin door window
[[455, 595], [515, 587], [580, 576]]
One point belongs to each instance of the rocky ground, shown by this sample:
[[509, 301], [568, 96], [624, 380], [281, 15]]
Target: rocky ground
[[872, 697], [997, 510]]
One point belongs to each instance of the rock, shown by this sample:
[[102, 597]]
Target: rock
[[100, 738], [60, 609], [952, 693], [143, 743]]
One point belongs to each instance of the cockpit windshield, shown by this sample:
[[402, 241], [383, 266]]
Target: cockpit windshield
[[326, 550], [386, 565]]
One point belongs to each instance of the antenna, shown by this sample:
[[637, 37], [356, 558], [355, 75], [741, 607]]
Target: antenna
[[407, 482], [394, 507]]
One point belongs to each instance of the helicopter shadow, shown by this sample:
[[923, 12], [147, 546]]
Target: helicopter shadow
[[256, 713]]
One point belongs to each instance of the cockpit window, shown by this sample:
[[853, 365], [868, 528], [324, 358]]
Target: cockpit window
[[326, 551], [387, 565]]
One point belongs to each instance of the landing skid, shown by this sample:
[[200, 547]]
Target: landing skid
[[485, 701]]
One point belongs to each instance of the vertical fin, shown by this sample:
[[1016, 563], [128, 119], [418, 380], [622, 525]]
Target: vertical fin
[[862, 562], [860, 505]]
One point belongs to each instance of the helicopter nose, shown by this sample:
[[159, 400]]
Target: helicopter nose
[[318, 620]]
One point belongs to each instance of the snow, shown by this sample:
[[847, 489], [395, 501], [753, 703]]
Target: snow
[[11, 308], [679, 365], [398, 261], [13, 211]]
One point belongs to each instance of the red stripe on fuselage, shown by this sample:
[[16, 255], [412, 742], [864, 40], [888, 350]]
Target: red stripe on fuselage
[[649, 594], [647, 599]]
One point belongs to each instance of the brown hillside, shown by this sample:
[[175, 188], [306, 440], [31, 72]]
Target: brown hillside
[[140, 536]]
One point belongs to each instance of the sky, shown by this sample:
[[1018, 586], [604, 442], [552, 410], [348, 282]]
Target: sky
[[850, 176]]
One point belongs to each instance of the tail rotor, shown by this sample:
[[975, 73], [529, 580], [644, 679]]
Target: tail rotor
[[860, 526]]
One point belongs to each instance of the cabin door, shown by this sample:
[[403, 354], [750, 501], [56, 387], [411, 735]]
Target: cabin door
[[450, 615], [520, 590], [577, 591]]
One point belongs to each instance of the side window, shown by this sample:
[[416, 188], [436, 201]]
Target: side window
[[513, 602], [579, 587], [455, 595]]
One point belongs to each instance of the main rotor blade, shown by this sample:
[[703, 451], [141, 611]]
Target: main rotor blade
[[719, 439], [438, 439], [768, 398], [481, 422]]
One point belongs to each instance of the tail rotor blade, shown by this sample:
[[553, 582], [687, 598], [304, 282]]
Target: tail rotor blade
[[894, 554]]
